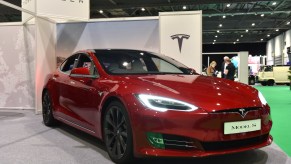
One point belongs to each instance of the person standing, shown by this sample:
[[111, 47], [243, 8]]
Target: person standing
[[211, 69], [229, 70], [223, 66]]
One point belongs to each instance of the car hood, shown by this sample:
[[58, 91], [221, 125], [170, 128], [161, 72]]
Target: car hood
[[209, 93]]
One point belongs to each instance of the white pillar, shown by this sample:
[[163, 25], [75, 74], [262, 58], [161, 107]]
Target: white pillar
[[243, 71], [45, 57]]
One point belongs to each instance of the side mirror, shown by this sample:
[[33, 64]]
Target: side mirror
[[80, 71]]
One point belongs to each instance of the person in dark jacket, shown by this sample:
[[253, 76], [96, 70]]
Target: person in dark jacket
[[223, 66], [229, 70]]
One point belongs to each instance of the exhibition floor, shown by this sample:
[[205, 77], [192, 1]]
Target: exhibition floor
[[24, 139], [279, 99]]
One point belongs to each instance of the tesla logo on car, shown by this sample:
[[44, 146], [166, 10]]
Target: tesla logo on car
[[242, 112], [180, 38]]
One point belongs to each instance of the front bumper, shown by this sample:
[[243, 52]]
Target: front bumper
[[200, 132]]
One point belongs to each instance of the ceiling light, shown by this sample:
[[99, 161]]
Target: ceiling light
[[234, 42], [216, 36], [220, 25], [262, 15], [274, 3], [223, 16], [288, 23], [253, 24], [277, 29], [142, 9], [237, 40], [213, 43], [262, 39], [247, 30], [268, 35], [101, 11], [228, 5], [218, 31], [214, 40], [209, 16], [241, 36], [184, 7]]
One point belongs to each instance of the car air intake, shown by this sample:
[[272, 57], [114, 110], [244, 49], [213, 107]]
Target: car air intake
[[179, 142], [224, 145]]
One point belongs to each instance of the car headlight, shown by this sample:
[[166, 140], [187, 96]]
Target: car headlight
[[163, 104], [262, 98]]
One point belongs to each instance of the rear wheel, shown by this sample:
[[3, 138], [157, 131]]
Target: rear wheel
[[117, 133], [264, 83], [47, 110], [270, 82]]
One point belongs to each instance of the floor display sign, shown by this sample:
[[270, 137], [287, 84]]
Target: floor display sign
[[181, 37]]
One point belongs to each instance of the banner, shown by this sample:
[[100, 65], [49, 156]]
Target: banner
[[181, 37], [64, 9], [30, 6]]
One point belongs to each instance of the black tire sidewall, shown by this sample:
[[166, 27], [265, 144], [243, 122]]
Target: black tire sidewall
[[51, 121]]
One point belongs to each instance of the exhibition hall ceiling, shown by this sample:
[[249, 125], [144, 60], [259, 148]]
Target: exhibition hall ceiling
[[224, 21]]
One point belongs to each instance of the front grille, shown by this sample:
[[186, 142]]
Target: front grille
[[224, 145], [178, 142]]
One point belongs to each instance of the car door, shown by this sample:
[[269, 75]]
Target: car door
[[63, 99], [85, 94]]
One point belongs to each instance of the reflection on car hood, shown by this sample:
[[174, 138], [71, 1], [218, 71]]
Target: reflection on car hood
[[205, 92]]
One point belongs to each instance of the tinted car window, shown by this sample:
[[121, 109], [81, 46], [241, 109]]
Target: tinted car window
[[135, 62]]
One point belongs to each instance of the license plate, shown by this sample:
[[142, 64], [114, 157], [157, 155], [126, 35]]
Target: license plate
[[242, 126]]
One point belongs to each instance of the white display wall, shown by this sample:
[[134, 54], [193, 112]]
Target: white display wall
[[181, 37], [277, 49], [131, 34], [17, 51]]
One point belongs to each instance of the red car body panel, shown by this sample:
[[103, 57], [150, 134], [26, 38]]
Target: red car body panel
[[79, 102]]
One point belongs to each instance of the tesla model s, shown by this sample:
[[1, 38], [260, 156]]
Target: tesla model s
[[143, 104]]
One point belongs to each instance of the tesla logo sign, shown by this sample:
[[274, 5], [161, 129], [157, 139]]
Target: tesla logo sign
[[242, 112], [180, 38]]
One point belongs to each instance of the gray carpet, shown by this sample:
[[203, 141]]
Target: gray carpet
[[24, 139]]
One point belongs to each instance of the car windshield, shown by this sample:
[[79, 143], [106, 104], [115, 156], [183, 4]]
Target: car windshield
[[138, 62]]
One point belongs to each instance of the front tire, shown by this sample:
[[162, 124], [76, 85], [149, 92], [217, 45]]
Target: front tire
[[47, 110], [117, 133]]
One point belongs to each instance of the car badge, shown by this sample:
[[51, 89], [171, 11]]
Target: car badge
[[100, 93], [180, 38], [242, 112]]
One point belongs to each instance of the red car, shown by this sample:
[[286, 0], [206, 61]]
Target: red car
[[143, 104]]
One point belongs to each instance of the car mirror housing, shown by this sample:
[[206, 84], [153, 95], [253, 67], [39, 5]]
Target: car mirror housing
[[82, 72]]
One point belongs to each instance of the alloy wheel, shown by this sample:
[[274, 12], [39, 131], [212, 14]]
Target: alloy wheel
[[116, 132]]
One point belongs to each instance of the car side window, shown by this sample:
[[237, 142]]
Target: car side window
[[69, 64], [85, 61]]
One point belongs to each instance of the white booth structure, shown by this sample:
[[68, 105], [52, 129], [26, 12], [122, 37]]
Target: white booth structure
[[29, 50]]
